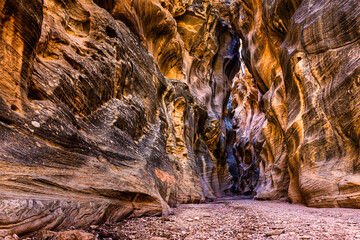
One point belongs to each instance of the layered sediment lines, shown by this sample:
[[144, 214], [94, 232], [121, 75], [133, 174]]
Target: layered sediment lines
[[304, 57], [116, 108], [109, 109]]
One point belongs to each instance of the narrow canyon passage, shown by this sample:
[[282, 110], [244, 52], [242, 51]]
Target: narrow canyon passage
[[114, 110], [232, 218]]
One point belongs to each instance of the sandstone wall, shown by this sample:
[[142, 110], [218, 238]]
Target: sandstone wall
[[247, 120], [110, 109], [304, 57]]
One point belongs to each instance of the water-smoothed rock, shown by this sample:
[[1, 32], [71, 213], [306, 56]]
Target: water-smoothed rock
[[91, 130], [247, 119], [304, 57]]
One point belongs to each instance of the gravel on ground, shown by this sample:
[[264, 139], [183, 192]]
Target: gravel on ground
[[226, 218], [230, 218]]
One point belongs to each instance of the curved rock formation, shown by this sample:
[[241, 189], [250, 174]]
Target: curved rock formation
[[247, 122], [191, 43], [116, 108], [304, 56], [91, 130]]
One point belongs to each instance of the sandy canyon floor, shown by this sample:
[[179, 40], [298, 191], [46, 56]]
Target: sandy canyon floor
[[230, 218]]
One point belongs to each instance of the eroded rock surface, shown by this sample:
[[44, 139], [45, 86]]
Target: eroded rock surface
[[304, 57], [247, 120], [110, 109]]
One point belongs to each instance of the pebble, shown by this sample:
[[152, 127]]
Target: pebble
[[196, 218], [306, 237], [189, 219], [274, 232], [93, 226], [35, 124]]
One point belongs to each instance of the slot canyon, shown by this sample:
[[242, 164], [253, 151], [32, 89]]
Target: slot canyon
[[117, 111]]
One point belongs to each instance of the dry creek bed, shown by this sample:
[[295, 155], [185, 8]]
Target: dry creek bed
[[230, 218]]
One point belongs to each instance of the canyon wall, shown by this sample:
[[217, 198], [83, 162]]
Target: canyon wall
[[246, 119], [116, 108], [110, 109], [304, 57]]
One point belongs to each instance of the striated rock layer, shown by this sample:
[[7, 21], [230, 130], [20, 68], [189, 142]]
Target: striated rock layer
[[304, 57], [247, 119], [116, 108], [110, 109]]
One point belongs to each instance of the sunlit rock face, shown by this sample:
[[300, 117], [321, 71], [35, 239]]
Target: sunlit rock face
[[191, 43], [247, 122], [110, 109], [304, 57]]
